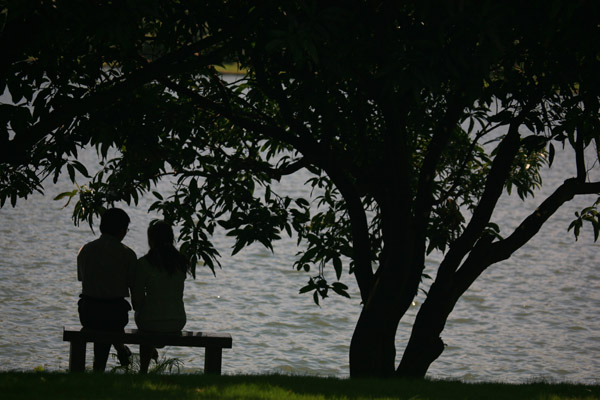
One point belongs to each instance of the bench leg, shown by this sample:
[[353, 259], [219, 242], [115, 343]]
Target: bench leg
[[212, 360], [77, 357]]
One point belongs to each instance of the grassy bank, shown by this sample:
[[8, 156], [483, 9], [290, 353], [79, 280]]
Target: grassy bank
[[49, 386]]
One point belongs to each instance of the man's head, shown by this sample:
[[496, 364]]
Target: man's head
[[114, 222]]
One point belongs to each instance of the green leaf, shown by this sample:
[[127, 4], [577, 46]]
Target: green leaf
[[337, 265], [66, 194], [71, 172], [340, 289], [316, 298], [239, 245], [302, 202], [551, 154], [288, 229], [81, 168], [307, 288], [576, 226]]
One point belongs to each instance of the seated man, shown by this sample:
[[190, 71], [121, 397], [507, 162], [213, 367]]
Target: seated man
[[105, 267]]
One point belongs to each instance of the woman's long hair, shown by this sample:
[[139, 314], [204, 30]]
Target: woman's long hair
[[163, 253]]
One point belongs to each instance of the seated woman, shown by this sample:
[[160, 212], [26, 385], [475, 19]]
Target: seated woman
[[157, 292]]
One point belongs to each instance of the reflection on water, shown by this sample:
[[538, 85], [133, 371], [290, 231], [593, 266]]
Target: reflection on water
[[534, 315]]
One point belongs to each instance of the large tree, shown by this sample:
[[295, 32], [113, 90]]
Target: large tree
[[411, 117]]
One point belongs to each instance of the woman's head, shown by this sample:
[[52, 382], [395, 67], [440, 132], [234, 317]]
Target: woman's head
[[160, 234], [162, 248]]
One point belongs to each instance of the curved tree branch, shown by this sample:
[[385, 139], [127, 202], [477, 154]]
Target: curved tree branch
[[313, 154], [503, 249], [487, 253]]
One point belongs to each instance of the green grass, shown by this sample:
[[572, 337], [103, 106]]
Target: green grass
[[163, 366], [47, 386]]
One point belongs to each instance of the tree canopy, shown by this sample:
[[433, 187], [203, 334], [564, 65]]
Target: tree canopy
[[411, 117]]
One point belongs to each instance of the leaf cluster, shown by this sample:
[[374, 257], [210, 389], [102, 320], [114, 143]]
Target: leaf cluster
[[357, 94]]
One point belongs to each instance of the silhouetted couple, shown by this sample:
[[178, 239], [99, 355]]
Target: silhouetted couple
[[109, 271]]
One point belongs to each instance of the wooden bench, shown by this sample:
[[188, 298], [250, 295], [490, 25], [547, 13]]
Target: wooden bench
[[213, 342]]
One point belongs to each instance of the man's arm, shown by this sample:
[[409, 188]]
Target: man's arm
[[80, 264]]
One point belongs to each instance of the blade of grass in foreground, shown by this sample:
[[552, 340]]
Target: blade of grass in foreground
[[48, 386]]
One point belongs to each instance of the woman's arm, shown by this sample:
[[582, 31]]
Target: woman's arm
[[138, 289]]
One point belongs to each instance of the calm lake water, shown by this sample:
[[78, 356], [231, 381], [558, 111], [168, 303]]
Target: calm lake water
[[533, 316]]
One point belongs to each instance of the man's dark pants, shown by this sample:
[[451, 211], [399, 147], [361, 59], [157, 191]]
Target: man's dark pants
[[106, 315]]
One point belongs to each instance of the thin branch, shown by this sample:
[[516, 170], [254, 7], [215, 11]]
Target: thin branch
[[424, 200], [500, 170], [579, 153], [463, 165], [18, 150], [247, 122]]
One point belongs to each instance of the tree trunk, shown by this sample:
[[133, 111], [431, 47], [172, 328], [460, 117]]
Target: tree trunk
[[373, 348], [425, 344], [373, 345]]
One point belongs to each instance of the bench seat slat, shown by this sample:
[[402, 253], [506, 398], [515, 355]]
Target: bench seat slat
[[133, 336]]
